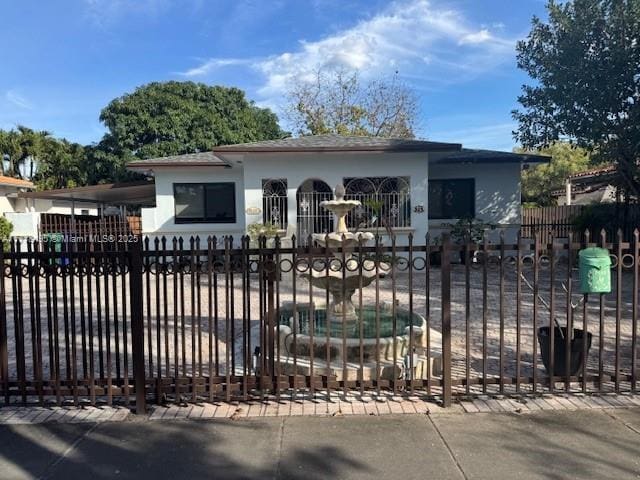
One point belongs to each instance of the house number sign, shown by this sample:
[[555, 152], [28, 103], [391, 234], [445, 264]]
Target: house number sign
[[418, 209], [253, 210]]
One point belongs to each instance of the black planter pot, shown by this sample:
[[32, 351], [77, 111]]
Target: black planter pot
[[463, 256], [577, 355]]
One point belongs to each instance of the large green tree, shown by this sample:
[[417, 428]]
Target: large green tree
[[156, 120], [172, 118], [62, 166], [540, 181], [36, 155], [585, 63]]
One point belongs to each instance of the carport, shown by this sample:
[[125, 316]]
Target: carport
[[118, 207]]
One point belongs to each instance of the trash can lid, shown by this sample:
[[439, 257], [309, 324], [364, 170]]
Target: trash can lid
[[594, 252]]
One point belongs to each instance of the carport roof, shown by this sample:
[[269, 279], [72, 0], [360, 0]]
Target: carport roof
[[130, 193]]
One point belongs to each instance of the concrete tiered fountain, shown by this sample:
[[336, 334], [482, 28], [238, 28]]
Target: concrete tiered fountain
[[352, 332]]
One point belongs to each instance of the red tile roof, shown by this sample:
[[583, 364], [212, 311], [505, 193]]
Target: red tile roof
[[15, 182], [594, 171]]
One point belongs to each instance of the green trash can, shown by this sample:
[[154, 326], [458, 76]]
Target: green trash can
[[595, 270], [54, 241]]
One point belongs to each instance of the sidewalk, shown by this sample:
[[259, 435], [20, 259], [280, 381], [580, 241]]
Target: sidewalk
[[585, 443], [340, 404]]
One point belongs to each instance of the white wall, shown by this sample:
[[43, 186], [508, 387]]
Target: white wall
[[25, 225], [26, 222], [41, 205], [332, 168], [497, 192], [6, 204], [160, 220], [497, 187], [63, 207]]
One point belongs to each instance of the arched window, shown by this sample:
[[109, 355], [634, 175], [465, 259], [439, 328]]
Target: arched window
[[386, 202], [274, 202]]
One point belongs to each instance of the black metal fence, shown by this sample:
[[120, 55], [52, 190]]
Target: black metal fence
[[218, 319]]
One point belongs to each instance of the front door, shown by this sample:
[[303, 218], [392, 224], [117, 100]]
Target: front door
[[312, 218]]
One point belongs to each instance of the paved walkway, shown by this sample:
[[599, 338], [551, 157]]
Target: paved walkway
[[590, 443], [339, 405]]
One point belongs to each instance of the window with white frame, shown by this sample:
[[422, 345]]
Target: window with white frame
[[385, 202], [274, 202]]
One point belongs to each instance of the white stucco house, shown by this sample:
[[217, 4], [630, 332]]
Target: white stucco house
[[405, 186]]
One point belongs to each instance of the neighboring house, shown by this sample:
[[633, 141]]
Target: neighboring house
[[24, 213], [9, 187], [417, 185], [593, 186]]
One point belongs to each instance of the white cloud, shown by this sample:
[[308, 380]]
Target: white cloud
[[18, 100], [211, 64], [480, 36], [427, 43]]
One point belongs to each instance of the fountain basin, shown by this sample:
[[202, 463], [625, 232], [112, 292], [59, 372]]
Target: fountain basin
[[346, 241], [357, 349]]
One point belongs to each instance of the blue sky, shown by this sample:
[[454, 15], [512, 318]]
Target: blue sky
[[62, 61]]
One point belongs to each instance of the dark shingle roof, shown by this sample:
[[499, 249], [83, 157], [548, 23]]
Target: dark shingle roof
[[469, 155], [339, 143], [329, 143], [200, 159]]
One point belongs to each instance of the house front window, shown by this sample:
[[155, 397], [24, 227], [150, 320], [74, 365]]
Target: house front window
[[205, 202], [274, 202], [385, 202], [452, 198]]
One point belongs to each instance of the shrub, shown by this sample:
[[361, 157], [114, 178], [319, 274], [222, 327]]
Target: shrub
[[257, 230], [6, 227], [611, 217], [470, 228]]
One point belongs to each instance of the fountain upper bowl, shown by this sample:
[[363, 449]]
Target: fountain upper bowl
[[340, 203]]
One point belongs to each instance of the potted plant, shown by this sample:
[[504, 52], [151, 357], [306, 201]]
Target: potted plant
[[375, 206], [435, 258], [467, 230], [257, 230], [269, 231], [376, 209]]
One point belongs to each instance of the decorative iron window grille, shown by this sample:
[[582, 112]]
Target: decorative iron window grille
[[386, 202], [274, 202], [312, 218]]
